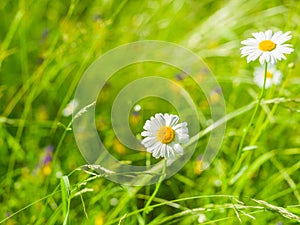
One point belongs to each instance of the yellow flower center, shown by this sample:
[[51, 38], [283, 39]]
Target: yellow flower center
[[165, 134], [267, 45], [269, 74]]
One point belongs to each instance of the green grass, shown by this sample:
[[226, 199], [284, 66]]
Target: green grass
[[45, 47]]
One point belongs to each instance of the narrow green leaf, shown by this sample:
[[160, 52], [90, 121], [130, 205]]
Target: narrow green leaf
[[65, 196]]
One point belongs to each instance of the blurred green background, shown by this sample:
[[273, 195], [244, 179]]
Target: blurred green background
[[45, 47]]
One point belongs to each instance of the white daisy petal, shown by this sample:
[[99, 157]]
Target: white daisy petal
[[249, 41], [163, 151], [285, 49], [183, 138], [274, 76], [149, 141], [167, 153], [155, 123], [273, 59], [268, 83], [147, 125], [153, 147], [178, 149], [160, 119], [257, 54], [170, 119], [249, 47], [277, 77], [180, 125], [156, 151], [182, 131], [262, 58], [268, 34], [174, 119], [171, 153], [254, 55], [150, 126], [268, 57], [281, 38], [147, 133], [266, 46], [258, 36], [163, 135]]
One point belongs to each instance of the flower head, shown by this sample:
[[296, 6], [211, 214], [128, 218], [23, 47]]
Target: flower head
[[163, 135], [267, 47], [273, 76]]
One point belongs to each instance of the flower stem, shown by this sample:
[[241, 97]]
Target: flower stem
[[260, 97], [147, 209]]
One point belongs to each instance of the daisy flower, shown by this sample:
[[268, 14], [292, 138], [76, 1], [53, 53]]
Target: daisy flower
[[273, 76], [267, 47], [163, 135]]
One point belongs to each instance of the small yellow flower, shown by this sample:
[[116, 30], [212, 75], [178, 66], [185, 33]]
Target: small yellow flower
[[100, 219], [46, 170]]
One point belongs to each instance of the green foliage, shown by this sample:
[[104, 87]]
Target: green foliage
[[45, 47]]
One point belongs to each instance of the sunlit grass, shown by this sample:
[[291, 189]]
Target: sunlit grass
[[45, 47]]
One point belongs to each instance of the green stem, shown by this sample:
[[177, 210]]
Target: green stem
[[147, 209], [274, 108], [246, 131]]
